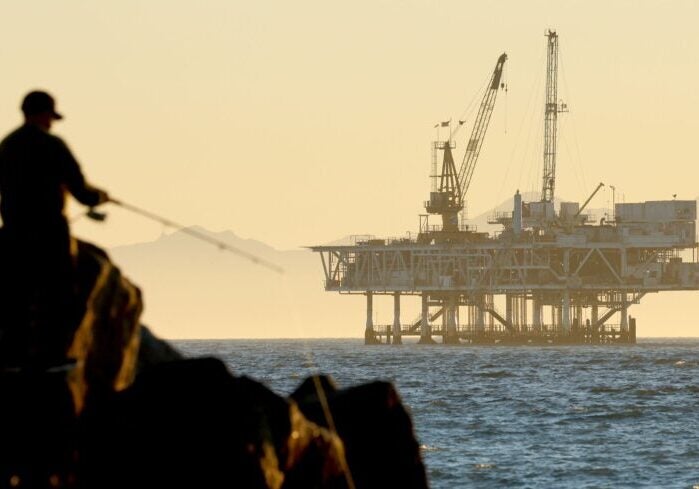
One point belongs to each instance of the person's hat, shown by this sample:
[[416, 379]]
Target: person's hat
[[38, 102]]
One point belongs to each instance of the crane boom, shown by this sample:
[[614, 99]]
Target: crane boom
[[480, 127], [582, 207], [448, 199]]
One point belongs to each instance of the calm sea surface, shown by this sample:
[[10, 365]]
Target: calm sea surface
[[540, 417]]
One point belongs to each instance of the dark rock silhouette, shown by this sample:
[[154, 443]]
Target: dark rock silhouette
[[127, 410], [374, 426], [191, 423]]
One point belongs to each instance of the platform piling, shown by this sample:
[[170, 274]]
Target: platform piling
[[397, 340], [369, 333], [451, 336], [425, 330]]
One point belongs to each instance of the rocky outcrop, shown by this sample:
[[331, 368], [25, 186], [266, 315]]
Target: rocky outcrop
[[191, 423], [374, 426], [126, 409]]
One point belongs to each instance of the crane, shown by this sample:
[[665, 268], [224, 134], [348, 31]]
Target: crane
[[448, 199], [582, 207]]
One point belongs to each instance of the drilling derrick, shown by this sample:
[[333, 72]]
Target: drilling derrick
[[551, 111], [448, 200]]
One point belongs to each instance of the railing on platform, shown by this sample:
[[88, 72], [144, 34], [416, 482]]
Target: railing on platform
[[586, 334]]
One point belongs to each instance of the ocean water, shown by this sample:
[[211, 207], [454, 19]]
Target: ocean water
[[535, 417]]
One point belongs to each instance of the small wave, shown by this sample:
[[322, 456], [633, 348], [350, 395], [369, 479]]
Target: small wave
[[606, 390], [686, 364], [495, 375], [634, 360], [429, 448], [626, 414], [600, 471], [667, 361], [438, 403], [648, 392], [656, 392]]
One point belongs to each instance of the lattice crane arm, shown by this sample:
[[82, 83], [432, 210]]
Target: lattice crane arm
[[480, 127]]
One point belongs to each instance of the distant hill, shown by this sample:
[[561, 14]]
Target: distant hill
[[191, 289]]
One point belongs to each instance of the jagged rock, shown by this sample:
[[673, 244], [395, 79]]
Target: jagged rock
[[56, 356], [191, 423], [122, 408], [37, 431], [106, 343], [154, 351], [308, 390], [374, 426]]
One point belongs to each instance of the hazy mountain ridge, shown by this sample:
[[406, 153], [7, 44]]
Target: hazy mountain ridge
[[192, 289]]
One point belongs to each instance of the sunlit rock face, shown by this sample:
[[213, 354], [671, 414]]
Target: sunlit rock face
[[127, 409]]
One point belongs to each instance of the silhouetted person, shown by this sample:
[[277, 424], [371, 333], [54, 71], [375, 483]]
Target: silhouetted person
[[36, 171]]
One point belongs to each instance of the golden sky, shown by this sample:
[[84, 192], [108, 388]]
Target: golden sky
[[299, 122]]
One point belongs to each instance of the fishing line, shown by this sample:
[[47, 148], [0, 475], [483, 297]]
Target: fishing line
[[331, 426], [311, 364], [320, 391]]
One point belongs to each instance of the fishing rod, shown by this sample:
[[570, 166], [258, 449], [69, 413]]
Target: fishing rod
[[221, 245]]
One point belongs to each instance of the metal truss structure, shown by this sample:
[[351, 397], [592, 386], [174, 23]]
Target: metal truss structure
[[560, 285]]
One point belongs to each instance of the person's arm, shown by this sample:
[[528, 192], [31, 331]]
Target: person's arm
[[75, 181]]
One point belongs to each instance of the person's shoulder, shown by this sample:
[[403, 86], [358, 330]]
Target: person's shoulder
[[17, 133], [57, 142], [13, 136], [55, 138], [28, 132]]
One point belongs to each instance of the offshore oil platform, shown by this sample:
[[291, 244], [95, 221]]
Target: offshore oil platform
[[551, 276]]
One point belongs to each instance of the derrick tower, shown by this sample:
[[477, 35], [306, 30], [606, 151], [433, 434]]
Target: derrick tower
[[551, 110]]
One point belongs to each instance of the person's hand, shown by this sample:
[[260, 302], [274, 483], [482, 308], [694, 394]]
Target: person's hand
[[103, 196]]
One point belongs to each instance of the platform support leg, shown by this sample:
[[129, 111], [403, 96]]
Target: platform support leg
[[594, 318], [624, 326], [397, 340], [565, 312], [369, 334], [425, 330], [537, 310], [480, 315], [451, 336]]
